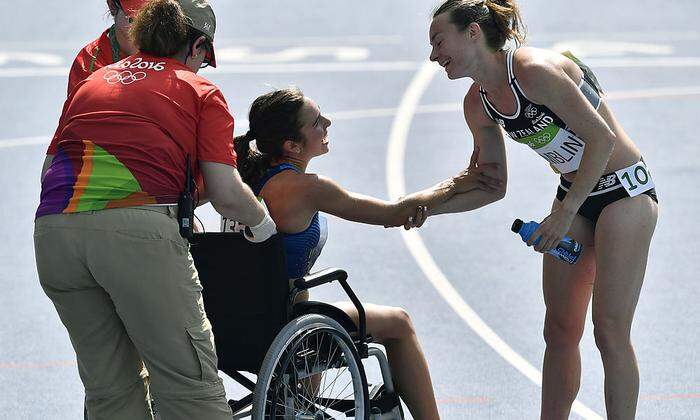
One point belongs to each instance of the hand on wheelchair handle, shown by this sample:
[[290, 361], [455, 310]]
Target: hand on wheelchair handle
[[262, 231]]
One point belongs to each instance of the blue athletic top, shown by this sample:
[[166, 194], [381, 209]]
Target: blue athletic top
[[302, 248], [538, 127]]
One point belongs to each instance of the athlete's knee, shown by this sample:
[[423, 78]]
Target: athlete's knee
[[404, 322], [399, 324], [611, 335], [559, 333]]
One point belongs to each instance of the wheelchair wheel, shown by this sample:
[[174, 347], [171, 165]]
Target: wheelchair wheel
[[311, 371]]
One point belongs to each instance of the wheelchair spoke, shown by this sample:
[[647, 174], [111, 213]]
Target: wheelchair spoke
[[342, 390], [337, 400], [338, 375], [307, 381], [339, 372], [315, 377], [328, 364]]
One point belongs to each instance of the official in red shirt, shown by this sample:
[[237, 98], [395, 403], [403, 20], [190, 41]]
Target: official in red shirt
[[108, 250], [113, 45]]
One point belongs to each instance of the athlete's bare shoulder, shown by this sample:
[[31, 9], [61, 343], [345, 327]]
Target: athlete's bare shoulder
[[530, 64], [538, 71], [474, 112]]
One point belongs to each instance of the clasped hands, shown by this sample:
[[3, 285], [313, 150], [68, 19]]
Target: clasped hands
[[470, 179]]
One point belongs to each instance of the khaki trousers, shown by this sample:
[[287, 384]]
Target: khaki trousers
[[126, 289]]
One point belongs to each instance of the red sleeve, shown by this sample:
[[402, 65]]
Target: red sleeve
[[79, 70], [215, 130]]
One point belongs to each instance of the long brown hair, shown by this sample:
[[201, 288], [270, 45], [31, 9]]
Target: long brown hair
[[500, 20], [274, 118]]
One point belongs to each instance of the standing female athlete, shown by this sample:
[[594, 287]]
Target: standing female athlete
[[606, 199], [289, 131]]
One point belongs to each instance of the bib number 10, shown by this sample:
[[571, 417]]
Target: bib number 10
[[635, 179]]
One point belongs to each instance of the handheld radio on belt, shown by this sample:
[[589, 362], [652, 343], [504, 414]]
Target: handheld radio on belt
[[185, 204]]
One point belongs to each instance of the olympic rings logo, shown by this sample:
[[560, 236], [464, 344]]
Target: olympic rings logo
[[125, 77], [543, 139]]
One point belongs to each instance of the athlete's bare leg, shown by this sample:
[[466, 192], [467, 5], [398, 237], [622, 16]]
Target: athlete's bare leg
[[622, 239], [567, 291], [393, 328]]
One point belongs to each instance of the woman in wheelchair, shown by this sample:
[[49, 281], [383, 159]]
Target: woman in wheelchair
[[289, 131]]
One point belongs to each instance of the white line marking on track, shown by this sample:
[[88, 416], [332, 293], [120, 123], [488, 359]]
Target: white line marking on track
[[656, 36], [320, 67], [653, 93], [362, 66], [242, 125], [397, 188], [643, 62], [25, 141], [71, 44]]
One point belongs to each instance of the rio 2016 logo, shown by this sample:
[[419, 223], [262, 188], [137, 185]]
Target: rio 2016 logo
[[124, 77], [138, 64]]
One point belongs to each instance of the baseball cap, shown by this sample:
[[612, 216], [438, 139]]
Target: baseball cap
[[131, 7], [200, 16]]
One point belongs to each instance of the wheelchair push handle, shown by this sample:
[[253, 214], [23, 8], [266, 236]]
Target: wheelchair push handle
[[331, 274]]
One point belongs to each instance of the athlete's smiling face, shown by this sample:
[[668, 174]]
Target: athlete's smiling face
[[453, 49], [314, 129]]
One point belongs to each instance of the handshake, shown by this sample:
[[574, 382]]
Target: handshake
[[416, 207]]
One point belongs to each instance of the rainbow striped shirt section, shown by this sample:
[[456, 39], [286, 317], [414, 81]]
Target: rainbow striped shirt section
[[92, 179]]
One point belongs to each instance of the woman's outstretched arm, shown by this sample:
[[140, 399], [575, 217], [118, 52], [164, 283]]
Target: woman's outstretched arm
[[488, 138], [328, 196]]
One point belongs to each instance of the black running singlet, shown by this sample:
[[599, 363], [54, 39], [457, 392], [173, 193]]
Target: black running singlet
[[538, 127]]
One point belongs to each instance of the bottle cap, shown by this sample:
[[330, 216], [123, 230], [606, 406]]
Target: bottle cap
[[517, 224]]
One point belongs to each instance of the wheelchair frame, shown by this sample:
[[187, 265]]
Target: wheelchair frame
[[262, 278]]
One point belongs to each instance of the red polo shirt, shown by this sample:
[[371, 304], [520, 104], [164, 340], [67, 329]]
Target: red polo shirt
[[91, 58], [124, 134]]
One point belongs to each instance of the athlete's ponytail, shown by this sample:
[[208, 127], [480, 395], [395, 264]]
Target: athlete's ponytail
[[273, 119], [251, 163], [500, 20], [161, 29]]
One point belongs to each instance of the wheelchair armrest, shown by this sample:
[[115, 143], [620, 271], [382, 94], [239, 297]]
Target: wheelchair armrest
[[335, 274], [320, 277]]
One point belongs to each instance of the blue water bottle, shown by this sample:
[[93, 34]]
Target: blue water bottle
[[567, 250]]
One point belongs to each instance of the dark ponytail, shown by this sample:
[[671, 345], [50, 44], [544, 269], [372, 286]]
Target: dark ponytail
[[273, 119], [161, 29], [251, 163], [500, 20]]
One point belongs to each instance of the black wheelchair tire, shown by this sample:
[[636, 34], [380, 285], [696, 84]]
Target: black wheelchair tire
[[286, 338]]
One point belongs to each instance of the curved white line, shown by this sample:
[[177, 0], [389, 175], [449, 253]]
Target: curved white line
[[242, 124], [397, 188]]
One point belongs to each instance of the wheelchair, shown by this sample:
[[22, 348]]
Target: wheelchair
[[307, 356]]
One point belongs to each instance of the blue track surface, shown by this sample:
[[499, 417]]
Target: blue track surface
[[356, 59]]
